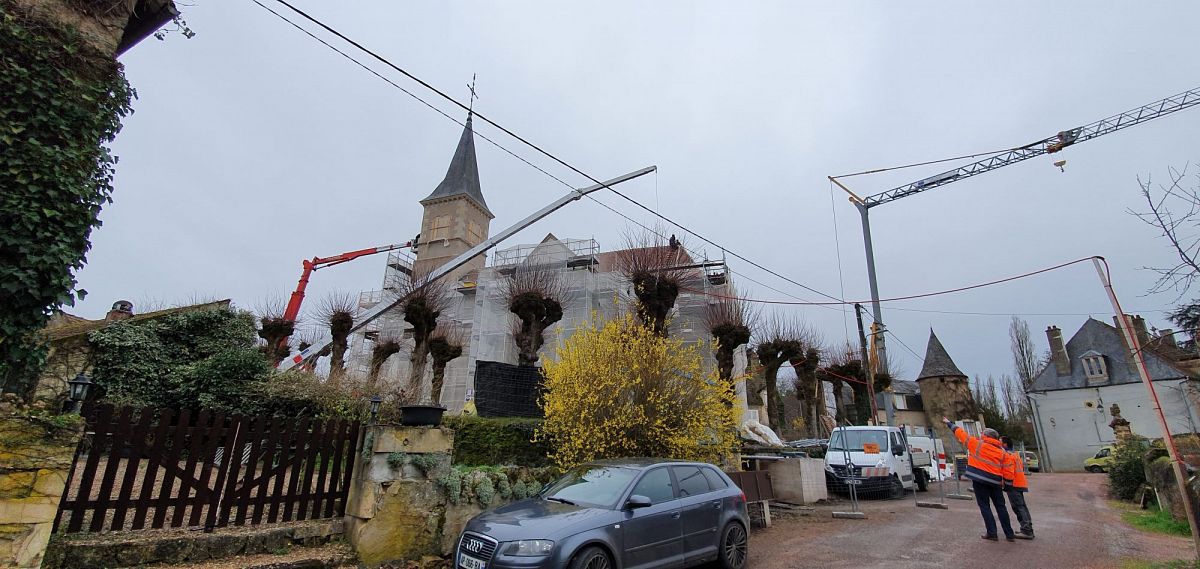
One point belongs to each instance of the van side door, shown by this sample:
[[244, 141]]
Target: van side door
[[903, 461]]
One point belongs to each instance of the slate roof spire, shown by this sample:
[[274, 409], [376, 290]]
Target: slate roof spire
[[937, 362], [462, 178]]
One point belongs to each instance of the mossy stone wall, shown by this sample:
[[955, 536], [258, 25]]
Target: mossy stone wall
[[35, 460]]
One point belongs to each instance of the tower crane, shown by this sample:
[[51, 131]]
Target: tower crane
[[1049, 145]]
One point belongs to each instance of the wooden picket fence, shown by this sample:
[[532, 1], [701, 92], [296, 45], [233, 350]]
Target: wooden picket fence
[[156, 468]]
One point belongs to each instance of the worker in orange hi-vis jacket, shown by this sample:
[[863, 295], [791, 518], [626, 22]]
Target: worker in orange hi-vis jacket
[[987, 462], [1016, 485]]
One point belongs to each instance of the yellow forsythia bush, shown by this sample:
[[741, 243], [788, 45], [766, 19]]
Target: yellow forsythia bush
[[618, 389]]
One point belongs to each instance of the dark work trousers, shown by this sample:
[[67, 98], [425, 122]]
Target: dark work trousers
[[1021, 510], [986, 495]]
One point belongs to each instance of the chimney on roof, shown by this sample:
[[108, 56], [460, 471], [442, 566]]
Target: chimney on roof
[[1139, 328], [1167, 335], [121, 310], [1058, 351]]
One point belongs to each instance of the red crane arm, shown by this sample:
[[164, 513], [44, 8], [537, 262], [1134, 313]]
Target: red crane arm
[[309, 265]]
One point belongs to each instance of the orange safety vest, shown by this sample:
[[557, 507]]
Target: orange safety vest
[[1015, 475], [987, 461]]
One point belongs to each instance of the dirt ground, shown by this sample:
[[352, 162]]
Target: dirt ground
[[1072, 518]]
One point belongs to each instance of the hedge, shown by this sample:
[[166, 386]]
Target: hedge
[[482, 441]]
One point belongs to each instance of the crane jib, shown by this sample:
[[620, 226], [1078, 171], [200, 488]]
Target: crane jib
[[1049, 145]]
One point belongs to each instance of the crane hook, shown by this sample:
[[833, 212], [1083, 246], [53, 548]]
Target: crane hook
[[1060, 164]]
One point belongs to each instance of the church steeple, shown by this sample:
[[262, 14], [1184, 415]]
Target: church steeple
[[455, 216], [462, 177]]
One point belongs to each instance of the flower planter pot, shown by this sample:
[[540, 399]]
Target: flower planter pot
[[421, 415]]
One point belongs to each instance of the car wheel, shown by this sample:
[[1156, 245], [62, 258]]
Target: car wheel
[[1095, 469], [591, 558], [735, 547]]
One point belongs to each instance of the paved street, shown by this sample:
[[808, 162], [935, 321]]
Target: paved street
[[1075, 526]]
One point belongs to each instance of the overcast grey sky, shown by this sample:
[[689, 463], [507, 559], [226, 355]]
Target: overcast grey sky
[[253, 146]]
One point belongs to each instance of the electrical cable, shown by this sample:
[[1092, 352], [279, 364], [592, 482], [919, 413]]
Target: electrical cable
[[512, 134], [911, 296]]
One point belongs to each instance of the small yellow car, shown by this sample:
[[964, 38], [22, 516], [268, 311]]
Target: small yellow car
[[1100, 462]]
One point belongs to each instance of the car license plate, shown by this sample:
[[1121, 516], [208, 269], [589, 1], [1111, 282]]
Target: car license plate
[[468, 562]]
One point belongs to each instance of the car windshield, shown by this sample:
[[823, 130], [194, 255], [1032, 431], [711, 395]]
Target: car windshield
[[591, 485], [854, 440]]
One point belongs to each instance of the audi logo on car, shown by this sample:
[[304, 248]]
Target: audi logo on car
[[473, 545]]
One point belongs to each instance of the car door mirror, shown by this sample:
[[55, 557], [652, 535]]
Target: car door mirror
[[638, 501]]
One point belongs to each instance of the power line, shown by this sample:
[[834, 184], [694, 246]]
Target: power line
[[911, 296], [514, 135]]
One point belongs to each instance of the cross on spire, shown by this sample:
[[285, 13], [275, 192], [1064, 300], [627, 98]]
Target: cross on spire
[[471, 103]]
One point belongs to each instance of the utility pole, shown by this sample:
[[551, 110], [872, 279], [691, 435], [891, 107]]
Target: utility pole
[[862, 343], [1135, 351]]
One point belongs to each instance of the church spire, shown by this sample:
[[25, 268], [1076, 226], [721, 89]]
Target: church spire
[[462, 178]]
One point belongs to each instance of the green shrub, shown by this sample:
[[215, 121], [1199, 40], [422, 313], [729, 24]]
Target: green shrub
[[482, 441], [396, 460], [1128, 471]]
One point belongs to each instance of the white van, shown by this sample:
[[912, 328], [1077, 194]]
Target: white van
[[880, 461]]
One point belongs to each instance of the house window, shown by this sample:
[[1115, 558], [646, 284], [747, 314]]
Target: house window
[[1094, 367], [474, 233], [440, 227]]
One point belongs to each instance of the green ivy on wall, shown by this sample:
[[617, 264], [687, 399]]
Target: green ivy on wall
[[62, 102]]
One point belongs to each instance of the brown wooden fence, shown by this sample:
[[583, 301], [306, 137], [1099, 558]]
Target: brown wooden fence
[[140, 468]]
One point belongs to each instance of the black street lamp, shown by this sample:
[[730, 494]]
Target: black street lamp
[[375, 401], [79, 390]]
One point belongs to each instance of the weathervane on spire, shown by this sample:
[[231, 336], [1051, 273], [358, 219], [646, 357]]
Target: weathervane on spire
[[471, 102]]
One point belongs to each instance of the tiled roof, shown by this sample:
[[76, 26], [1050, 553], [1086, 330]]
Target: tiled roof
[[938, 363]]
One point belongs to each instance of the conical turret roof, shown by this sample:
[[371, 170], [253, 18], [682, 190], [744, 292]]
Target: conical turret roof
[[937, 362], [462, 178]]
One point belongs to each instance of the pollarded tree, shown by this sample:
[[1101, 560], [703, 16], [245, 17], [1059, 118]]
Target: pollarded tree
[[729, 320], [445, 346], [780, 340], [619, 388], [809, 392], [424, 301], [384, 348], [652, 264], [273, 328], [337, 311], [535, 294]]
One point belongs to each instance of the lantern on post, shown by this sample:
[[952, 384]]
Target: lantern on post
[[79, 388], [375, 401]]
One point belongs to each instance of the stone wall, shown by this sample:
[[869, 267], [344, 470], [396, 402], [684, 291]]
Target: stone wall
[[35, 460], [406, 501]]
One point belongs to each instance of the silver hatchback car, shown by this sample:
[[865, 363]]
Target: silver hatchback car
[[624, 514]]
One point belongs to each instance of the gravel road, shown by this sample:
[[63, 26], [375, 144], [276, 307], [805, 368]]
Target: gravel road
[[1075, 526]]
